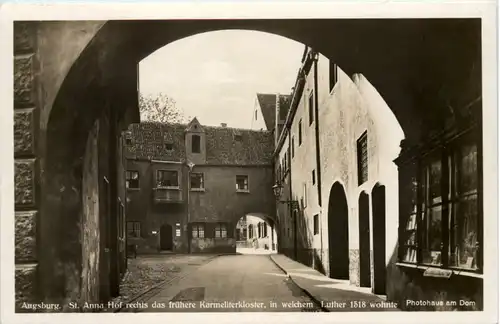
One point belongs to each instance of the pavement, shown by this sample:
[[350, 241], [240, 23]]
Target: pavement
[[257, 281], [230, 283], [333, 295]]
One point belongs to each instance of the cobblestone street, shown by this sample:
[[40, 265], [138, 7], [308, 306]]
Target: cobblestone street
[[146, 272]]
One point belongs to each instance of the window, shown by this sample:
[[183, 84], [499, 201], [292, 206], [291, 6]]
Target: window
[[169, 146], [238, 137], [442, 222], [333, 75], [250, 231], [242, 183], [132, 179], [300, 132], [316, 224], [198, 231], [304, 195], [220, 231], [314, 177], [293, 147], [195, 144], [167, 178], [362, 150], [264, 225], [259, 229], [133, 229], [311, 107], [197, 181], [128, 138], [255, 114]]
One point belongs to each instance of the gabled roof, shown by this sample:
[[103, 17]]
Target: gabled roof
[[267, 103], [194, 126]]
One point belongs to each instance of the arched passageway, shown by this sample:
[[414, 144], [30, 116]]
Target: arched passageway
[[338, 233], [256, 234], [364, 240], [95, 80], [379, 238]]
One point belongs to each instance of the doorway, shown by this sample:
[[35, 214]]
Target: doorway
[[378, 212], [338, 233], [364, 240], [166, 241]]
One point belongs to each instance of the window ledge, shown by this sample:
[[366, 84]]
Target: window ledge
[[198, 189], [242, 191], [455, 272], [167, 188], [133, 189]]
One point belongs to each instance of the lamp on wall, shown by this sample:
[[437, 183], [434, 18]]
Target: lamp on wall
[[278, 192]]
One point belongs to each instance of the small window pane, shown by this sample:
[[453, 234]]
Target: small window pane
[[465, 233], [433, 239], [468, 169]]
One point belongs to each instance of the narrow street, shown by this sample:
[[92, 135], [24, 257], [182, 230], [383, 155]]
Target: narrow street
[[229, 283]]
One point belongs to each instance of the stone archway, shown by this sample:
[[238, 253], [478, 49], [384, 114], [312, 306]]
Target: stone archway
[[379, 239], [364, 240], [338, 233], [78, 73]]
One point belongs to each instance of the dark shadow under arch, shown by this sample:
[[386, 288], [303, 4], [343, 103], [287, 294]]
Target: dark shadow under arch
[[364, 240], [378, 214], [338, 233]]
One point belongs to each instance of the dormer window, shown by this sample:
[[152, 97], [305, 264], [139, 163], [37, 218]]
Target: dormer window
[[237, 136], [169, 146], [128, 138], [195, 143]]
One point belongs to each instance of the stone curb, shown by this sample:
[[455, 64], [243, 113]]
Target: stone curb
[[315, 300], [158, 285]]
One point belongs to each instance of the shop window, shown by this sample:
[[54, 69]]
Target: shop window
[[444, 197], [132, 179]]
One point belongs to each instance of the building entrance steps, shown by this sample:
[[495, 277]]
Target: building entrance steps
[[332, 295]]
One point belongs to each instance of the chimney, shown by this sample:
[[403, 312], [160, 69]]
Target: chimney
[[223, 125]]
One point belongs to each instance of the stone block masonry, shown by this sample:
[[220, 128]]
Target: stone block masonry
[[26, 105]]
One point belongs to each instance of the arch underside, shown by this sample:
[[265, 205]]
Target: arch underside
[[421, 67], [424, 69]]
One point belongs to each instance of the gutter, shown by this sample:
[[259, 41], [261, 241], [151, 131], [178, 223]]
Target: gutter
[[316, 108]]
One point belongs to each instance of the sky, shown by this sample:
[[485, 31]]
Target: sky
[[215, 76]]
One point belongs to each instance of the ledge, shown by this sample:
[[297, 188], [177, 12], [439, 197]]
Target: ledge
[[243, 191], [455, 272], [197, 189]]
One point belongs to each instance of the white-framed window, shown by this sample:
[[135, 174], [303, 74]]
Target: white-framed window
[[198, 230], [220, 230]]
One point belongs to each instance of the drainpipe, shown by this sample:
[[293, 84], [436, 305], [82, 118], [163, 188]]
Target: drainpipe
[[318, 159], [190, 165]]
